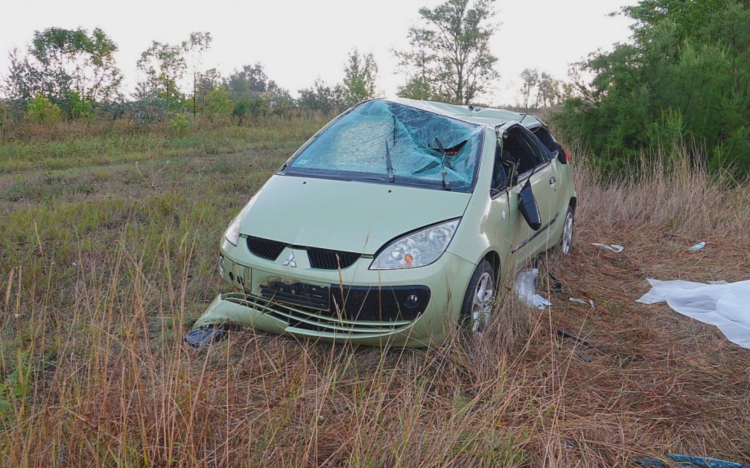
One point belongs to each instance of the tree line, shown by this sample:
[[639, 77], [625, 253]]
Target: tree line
[[72, 74], [682, 81]]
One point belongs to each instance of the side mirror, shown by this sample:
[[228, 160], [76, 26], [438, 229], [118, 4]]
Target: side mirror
[[529, 208], [560, 155]]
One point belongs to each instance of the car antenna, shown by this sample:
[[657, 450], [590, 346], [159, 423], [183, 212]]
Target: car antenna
[[389, 164], [442, 163]]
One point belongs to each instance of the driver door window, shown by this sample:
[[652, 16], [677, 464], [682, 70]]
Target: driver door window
[[522, 150]]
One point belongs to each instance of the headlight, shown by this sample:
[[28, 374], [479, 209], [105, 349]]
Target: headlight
[[417, 249], [232, 233]]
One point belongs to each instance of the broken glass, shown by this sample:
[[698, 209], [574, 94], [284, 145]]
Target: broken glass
[[357, 146]]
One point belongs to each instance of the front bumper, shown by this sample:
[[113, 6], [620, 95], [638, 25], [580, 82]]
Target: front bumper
[[376, 308]]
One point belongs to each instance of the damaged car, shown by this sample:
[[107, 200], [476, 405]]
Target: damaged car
[[394, 224]]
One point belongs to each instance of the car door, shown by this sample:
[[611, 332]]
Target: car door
[[504, 215], [562, 187], [536, 167]]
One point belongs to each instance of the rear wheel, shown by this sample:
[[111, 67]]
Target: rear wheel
[[478, 300], [566, 242]]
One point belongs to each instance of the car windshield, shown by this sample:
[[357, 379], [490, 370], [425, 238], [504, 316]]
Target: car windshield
[[394, 143]]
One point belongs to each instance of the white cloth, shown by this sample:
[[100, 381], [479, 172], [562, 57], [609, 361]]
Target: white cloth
[[726, 305]]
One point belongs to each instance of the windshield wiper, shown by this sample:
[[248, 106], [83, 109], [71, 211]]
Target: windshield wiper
[[442, 163], [388, 163]]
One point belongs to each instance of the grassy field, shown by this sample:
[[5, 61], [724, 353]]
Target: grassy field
[[108, 251]]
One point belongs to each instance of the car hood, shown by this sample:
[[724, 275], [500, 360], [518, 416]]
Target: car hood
[[344, 215]]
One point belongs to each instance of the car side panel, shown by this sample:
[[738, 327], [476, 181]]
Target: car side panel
[[483, 227], [564, 192]]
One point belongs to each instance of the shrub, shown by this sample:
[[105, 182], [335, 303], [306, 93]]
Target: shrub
[[179, 124], [250, 107], [41, 110]]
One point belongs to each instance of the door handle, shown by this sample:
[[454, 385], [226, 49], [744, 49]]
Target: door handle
[[552, 180]]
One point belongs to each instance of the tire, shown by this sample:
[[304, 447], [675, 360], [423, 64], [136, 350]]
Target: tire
[[566, 239], [480, 294]]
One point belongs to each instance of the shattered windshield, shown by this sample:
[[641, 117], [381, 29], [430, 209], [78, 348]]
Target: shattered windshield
[[394, 143]]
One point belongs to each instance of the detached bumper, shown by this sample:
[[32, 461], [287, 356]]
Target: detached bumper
[[395, 313]]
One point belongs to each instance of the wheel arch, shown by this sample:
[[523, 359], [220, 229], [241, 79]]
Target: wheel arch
[[494, 259]]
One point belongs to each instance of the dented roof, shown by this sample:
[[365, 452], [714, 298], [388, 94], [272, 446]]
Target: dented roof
[[477, 115]]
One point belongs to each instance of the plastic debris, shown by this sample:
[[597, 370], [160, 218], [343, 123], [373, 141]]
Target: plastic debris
[[703, 462], [687, 462], [565, 334], [525, 287], [614, 247], [721, 304], [697, 246], [581, 301], [202, 337]]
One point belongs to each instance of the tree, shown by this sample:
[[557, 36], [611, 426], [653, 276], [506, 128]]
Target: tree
[[163, 65], [322, 98], [530, 78], [419, 63], [252, 80], [684, 77], [61, 63], [548, 90], [195, 46], [450, 51], [359, 77]]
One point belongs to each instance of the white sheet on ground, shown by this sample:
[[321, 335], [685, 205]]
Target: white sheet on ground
[[726, 305]]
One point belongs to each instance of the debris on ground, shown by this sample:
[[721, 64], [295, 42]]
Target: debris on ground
[[581, 301], [577, 339], [616, 248], [202, 337], [722, 304], [697, 246], [525, 287], [688, 462]]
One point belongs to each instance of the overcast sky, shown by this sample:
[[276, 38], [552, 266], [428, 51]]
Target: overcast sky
[[300, 40]]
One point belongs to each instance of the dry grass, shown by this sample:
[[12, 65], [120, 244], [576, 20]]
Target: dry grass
[[95, 373]]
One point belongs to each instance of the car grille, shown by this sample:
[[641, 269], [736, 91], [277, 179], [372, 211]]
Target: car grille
[[306, 319], [320, 259], [330, 259], [302, 294], [355, 304], [264, 248]]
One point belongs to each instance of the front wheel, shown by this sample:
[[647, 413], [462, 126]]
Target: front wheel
[[478, 300]]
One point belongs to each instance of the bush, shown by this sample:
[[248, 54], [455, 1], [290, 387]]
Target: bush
[[41, 110], [79, 108], [216, 102], [179, 124], [249, 107]]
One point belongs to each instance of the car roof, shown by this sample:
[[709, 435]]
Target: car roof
[[477, 115]]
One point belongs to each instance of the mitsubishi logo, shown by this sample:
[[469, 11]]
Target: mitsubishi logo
[[290, 261]]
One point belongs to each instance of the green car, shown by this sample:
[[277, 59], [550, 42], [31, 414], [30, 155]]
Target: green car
[[394, 224]]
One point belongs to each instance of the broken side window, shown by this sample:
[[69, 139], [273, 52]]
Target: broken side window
[[547, 140]]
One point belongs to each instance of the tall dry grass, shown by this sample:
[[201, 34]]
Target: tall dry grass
[[97, 375]]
